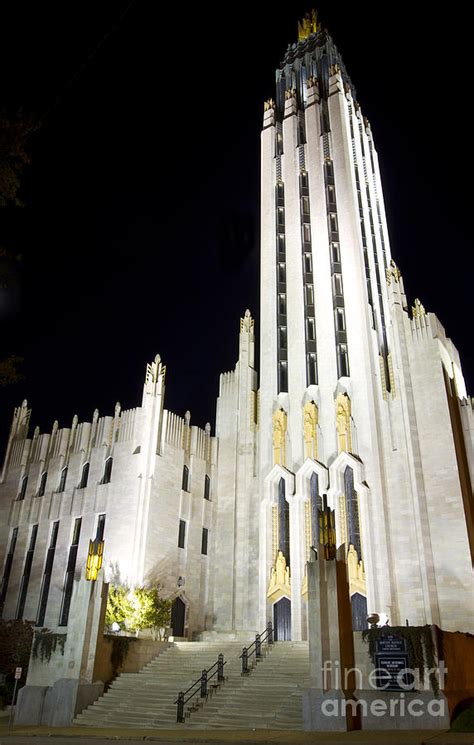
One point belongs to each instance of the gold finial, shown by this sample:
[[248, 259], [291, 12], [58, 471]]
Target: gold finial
[[308, 26], [418, 310]]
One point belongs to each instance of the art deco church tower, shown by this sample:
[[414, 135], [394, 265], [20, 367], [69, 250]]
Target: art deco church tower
[[362, 403]]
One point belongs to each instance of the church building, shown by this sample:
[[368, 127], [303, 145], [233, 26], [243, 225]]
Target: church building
[[354, 422]]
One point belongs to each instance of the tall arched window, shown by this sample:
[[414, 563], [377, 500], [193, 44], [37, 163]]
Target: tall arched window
[[62, 480], [24, 484], [207, 487], [107, 471], [84, 476], [42, 486], [185, 481]]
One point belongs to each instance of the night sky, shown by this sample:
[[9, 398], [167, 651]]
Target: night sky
[[140, 231]]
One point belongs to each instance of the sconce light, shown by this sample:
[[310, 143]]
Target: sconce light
[[94, 559]]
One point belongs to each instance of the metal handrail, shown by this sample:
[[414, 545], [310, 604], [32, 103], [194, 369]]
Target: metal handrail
[[201, 682], [267, 636]]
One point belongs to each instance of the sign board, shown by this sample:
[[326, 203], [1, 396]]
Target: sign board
[[391, 659], [391, 644], [18, 673]]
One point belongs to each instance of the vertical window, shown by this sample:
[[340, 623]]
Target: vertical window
[[281, 243], [304, 180], [185, 479], [308, 263], [311, 369], [282, 334], [282, 376], [309, 293], [336, 254], [281, 273], [62, 480], [100, 528], [24, 484], [48, 570], [310, 329], [342, 361], [8, 567], [314, 504], [281, 216], [26, 573], [207, 487], [337, 284], [84, 476], [283, 521], [305, 205], [306, 233], [282, 304], [333, 222], [205, 533], [107, 471], [181, 534], [70, 569], [340, 320], [42, 486]]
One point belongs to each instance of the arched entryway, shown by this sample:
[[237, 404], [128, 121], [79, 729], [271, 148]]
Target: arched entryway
[[282, 620], [178, 611]]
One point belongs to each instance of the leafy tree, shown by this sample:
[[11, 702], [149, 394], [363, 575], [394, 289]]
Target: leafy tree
[[14, 132], [141, 608], [15, 646], [119, 607]]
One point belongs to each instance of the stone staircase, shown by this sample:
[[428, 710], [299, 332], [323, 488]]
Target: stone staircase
[[269, 697]]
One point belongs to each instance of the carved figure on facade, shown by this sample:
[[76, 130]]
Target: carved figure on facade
[[279, 584], [343, 423], [310, 428], [279, 437]]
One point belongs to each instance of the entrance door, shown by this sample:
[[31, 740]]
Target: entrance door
[[282, 620], [177, 617]]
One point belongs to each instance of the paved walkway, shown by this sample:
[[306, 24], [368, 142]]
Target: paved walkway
[[99, 736]]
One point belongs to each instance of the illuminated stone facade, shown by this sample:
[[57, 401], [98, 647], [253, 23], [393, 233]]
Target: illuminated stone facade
[[361, 406]]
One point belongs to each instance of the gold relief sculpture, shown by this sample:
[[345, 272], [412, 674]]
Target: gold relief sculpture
[[342, 520], [343, 423], [390, 374], [310, 427], [279, 584], [279, 437], [275, 531], [269, 104], [356, 572], [383, 377], [307, 26], [395, 271], [290, 93]]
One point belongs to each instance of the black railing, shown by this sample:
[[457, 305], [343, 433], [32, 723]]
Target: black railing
[[256, 648], [200, 686]]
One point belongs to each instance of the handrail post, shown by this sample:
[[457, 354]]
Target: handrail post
[[258, 646], [180, 714], [220, 668], [204, 684], [270, 632], [245, 661]]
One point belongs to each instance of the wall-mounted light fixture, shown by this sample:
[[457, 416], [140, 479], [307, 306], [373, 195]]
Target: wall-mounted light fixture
[[94, 559]]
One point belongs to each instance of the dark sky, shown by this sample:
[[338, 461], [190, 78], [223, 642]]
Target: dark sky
[[140, 230]]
